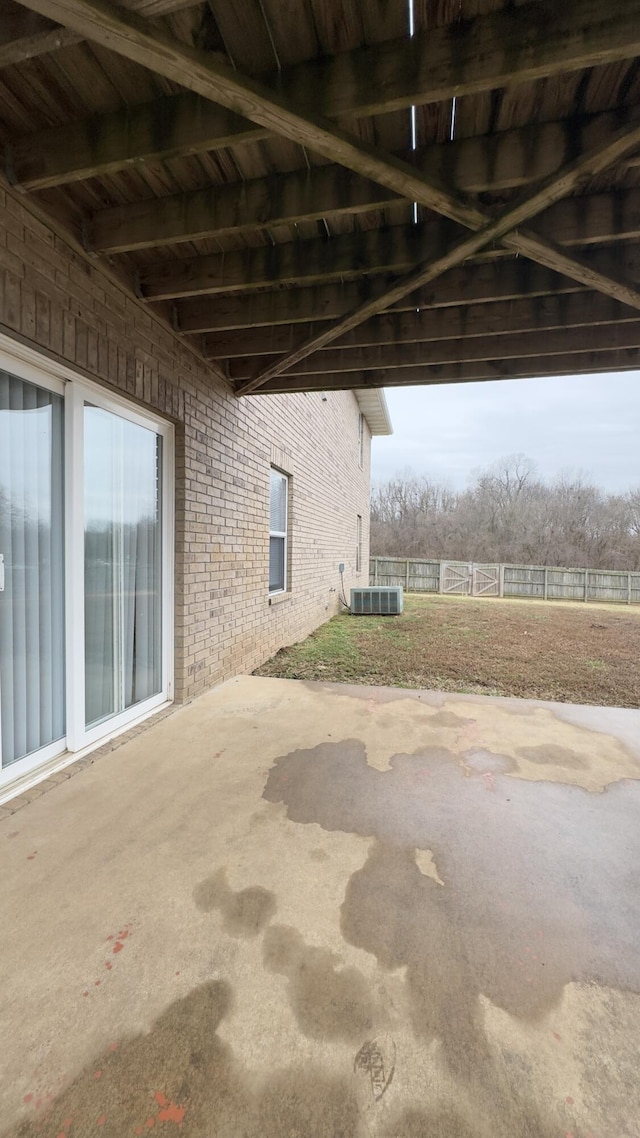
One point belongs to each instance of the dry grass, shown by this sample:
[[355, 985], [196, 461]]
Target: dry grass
[[558, 651]]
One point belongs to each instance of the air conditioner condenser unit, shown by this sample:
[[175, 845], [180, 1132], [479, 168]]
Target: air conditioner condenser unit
[[380, 600]]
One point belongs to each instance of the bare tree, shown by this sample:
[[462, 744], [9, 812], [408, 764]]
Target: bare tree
[[508, 513]]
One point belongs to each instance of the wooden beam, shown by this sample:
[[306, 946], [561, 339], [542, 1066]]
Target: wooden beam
[[185, 124], [153, 8], [473, 284], [307, 195], [347, 257], [404, 287], [170, 127], [577, 311], [507, 46], [483, 54], [128, 35], [323, 192], [593, 219], [596, 220], [506, 228], [25, 35], [541, 342], [581, 363], [518, 157]]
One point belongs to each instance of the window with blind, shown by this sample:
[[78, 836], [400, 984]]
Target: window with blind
[[278, 528]]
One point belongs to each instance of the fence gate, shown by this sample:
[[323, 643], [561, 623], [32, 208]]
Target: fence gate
[[456, 579], [485, 581]]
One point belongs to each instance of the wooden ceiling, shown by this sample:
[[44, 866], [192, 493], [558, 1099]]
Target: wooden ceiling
[[346, 193]]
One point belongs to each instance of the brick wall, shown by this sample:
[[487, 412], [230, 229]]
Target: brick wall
[[56, 299]]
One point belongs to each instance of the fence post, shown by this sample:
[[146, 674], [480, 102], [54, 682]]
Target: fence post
[[407, 577], [375, 571], [546, 583], [628, 588], [501, 572], [441, 577], [586, 584]]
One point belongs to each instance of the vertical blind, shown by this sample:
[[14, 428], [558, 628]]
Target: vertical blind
[[32, 699]]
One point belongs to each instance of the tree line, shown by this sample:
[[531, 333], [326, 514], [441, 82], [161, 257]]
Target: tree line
[[508, 513]]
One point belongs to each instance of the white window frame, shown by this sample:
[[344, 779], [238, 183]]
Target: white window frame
[[358, 543], [25, 363], [360, 439], [278, 533]]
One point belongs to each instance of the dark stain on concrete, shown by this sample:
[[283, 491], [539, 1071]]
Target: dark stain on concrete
[[182, 1078], [541, 882], [328, 1001], [559, 756], [319, 855], [245, 913], [419, 935]]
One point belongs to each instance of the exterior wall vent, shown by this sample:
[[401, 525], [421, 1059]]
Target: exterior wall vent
[[383, 600]]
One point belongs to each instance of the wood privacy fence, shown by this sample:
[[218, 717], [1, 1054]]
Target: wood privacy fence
[[467, 578]]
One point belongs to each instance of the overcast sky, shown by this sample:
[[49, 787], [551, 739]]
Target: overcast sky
[[589, 423]]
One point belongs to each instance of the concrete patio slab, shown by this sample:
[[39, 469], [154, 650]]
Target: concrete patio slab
[[308, 910]]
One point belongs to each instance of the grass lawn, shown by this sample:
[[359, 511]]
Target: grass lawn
[[556, 650]]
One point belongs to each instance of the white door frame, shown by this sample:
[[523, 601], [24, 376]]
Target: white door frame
[[25, 363]]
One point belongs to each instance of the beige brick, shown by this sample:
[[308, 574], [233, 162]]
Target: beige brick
[[224, 623]]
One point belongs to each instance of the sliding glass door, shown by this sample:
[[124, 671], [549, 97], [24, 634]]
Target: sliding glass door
[[122, 563], [85, 564], [32, 695]]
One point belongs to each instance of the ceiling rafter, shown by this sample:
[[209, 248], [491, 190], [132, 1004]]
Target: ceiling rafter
[[499, 48], [128, 36], [577, 310], [325, 191], [555, 342], [34, 41], [598, 220], [474, 284], [26, 35], [530, 367], [153, 8], [505, 228]]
